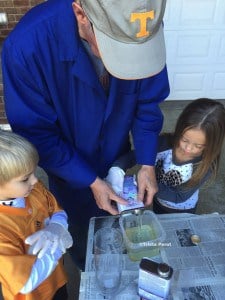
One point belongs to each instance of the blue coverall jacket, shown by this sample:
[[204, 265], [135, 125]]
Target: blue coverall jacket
[[54, 98]]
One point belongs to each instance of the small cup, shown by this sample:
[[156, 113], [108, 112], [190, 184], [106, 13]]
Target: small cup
[[142, 233], [108, 247]]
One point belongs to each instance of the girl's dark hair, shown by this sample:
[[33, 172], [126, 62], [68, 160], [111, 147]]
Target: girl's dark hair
[[209, 116]]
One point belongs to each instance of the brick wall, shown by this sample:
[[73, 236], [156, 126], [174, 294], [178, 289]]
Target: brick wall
[[14, 10]]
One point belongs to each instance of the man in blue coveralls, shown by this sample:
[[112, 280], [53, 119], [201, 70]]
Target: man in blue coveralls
[[78, 77]]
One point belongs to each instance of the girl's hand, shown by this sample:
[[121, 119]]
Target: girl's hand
[[115, 178]]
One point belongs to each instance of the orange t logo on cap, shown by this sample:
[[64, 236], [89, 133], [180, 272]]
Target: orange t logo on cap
[[142, 16]]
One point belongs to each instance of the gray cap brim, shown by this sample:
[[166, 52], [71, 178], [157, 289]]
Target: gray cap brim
[[130, 60]]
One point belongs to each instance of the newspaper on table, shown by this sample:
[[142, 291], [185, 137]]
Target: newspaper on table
[[90, 291], [129, 283], [199, 265]]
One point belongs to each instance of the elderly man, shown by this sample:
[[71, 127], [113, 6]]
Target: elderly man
[[78, 78]]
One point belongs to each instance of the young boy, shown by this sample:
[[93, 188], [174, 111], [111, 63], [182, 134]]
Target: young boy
[[33, 228]]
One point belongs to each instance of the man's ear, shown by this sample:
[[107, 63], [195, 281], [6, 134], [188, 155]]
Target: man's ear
[[79, 13]]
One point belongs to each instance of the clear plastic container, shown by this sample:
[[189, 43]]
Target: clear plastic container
[[142, 232]]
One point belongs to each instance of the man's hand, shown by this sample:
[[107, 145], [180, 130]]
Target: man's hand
[[147, 184], [104, 194]]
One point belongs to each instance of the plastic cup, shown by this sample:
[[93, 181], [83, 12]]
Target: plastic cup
[[142, 234], [108, 247]]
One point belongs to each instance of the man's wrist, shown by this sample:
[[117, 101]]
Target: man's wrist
[[147, 167], [95, 182]]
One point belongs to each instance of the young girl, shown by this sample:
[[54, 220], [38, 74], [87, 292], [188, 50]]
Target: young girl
[[33, 231], [186, 159]]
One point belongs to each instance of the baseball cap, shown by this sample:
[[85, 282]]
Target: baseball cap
[[129, 35]]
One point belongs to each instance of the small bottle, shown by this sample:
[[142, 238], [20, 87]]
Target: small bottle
[[154, 279]]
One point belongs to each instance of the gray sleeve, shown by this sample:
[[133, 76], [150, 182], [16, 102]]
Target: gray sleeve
[[179, 193]]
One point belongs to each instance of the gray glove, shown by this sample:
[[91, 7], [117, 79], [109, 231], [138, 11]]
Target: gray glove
[[53, 236]]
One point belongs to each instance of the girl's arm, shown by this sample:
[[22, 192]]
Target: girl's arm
[[179, 193], [116, 173]]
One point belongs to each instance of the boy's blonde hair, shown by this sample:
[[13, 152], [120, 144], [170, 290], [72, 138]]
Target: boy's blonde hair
[[17, 156]]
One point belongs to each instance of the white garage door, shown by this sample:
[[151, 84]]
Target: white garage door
[[195, 40]]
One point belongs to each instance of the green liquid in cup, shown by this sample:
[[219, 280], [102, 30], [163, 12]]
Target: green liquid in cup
[[140, 234]]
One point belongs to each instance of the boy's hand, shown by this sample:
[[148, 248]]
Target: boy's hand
[[53, 236]]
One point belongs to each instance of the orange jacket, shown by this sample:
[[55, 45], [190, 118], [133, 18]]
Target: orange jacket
[[15, 225]]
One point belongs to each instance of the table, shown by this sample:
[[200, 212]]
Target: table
[[199, 269]]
